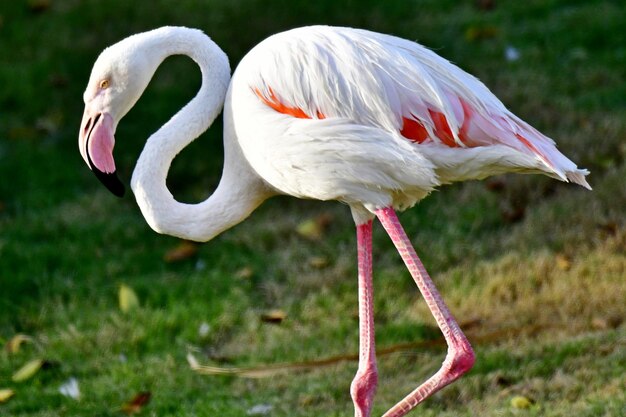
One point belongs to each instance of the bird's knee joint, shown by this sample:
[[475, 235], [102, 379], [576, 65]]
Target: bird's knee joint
[[364, 386], [458, 362]]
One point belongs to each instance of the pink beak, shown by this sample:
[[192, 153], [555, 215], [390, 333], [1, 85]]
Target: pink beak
[[95, 142]]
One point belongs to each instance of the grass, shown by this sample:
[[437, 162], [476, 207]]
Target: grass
[[532, 268]]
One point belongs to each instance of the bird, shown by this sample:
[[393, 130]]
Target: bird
[[328, 113]]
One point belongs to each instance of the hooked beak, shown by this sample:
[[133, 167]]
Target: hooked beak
[[95, 142]]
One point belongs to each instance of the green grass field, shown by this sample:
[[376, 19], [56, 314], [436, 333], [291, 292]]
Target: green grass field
[[533, 269]]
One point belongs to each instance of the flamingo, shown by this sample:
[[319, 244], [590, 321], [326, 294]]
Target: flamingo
[[329, 113]]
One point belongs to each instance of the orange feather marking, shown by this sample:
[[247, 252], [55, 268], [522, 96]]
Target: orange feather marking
[[277, 105], [413, 130], [463, 130], [467, 114], [442, 129]]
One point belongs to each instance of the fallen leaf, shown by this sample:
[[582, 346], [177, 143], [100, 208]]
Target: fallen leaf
[[496, 185], [324, 220], [519, 401], [16, 342], [511, 53], [28, 370], [183, 251], [273, 316], [70, 388], [310, 229], [192, 361], [314, 228], [204, 329], [127, 298], [513, 215], [260, 410], [563, 262], [136, 404], [6, 394], [244, 273], [318, 262]]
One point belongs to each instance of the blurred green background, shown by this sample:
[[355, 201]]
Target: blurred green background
[[532, 268]]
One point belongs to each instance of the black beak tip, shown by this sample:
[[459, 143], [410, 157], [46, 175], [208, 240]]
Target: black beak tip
[[111, 181]]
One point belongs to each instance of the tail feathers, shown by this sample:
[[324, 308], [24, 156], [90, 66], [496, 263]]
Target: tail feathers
[[578, 177], [554, 161], [560, 165]]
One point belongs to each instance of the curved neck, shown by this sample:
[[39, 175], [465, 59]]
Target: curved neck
[[232, 201]]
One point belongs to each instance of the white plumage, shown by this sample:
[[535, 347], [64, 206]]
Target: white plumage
[[326, 113], [365, 84]]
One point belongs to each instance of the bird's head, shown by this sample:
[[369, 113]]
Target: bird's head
[[118, 78]]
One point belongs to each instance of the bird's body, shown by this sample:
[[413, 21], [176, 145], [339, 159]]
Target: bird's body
[[326, 113], [374, 120]]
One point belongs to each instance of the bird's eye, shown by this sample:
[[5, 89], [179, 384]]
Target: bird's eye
[[104, 84]]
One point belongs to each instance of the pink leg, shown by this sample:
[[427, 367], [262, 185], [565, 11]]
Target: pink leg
[[364, 383], [460, 357]]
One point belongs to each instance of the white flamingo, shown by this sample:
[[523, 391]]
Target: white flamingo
[[326, 113]]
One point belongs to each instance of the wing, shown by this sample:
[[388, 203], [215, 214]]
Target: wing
[[398, 87]]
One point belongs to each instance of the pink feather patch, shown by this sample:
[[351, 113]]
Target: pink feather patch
[[100, 144]]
